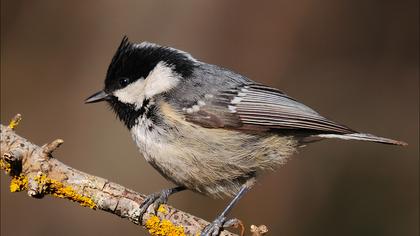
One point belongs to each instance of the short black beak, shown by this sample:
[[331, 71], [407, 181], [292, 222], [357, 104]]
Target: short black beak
[[97, 97]]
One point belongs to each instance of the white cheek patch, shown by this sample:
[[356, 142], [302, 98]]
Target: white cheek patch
[[132, 93], [161, 79]]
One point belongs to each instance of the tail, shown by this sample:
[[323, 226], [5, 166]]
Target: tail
[[363, 137]]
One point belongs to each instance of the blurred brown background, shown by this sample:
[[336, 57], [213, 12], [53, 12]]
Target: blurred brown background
[[353, 61]]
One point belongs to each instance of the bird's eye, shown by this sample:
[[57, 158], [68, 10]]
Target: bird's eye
[[124, 81]]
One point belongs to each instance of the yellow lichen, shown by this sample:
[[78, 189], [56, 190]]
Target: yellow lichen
[[162, 209], [18, 183], [57, 189], [5, 166], [159, 227], [15, 121]]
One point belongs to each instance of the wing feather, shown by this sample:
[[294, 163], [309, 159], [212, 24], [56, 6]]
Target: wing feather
[[257, 106]]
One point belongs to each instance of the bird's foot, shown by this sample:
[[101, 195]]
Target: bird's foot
[[155, 199], [214, 228]]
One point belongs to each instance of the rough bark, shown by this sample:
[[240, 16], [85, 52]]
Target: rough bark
[[33, 169]]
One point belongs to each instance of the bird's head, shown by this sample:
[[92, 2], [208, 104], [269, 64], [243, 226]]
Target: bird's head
[[139, 72]]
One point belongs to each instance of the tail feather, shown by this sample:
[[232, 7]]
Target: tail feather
[[363, 137]]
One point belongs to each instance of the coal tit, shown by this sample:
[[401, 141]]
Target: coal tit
[[206, 128]]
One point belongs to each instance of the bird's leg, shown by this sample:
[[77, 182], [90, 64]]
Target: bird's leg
[[157, 199], [213, 229]]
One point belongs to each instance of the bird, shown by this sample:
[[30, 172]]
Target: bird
[[206, 128]]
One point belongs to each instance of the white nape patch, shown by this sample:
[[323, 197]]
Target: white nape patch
[[132, 93], [153, 45], [201, 103], [185, 54], [145, 45], [161, 79]]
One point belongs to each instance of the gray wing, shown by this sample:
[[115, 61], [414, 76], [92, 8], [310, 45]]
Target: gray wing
[[258, 107]]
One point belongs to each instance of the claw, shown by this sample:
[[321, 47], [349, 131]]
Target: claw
[[213, 229], [219, 224], [156, 199]]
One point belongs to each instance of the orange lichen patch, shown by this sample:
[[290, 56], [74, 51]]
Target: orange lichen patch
[[18, 183], [57, 189], [160, 227]]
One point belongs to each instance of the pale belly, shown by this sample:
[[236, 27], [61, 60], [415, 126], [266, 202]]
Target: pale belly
[[214, 162]]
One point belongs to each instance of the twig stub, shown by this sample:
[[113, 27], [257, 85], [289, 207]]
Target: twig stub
[[49, 148], [15, 121]]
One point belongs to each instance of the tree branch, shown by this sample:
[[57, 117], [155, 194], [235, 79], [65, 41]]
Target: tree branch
[[34, 169]]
